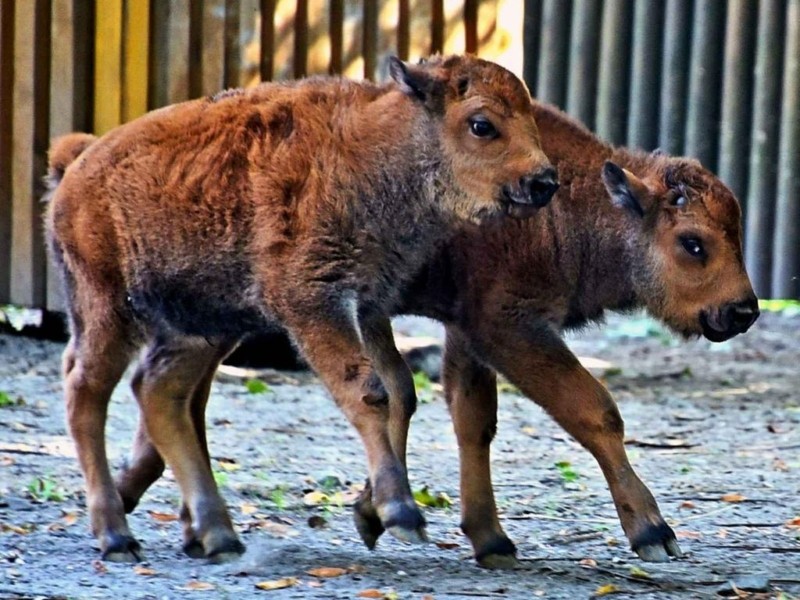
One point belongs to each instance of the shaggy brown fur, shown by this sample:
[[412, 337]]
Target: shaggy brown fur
[[307, 204], [507, 290]]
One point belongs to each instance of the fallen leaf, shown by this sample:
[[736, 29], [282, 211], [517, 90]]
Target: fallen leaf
[[793, 522], [424, 497], [531, 431], [370, 593], [247, 508], [733, 497], [639, 572], [197, 586], [314, 583], [228, 464], [588, 562], [327, 572], [447, 545], [685, 534], [316, 498], [427, 597], [604, 590], [99, 567], [144, 571], [163, 517], [277, 584], [71, 518], [687, 504]]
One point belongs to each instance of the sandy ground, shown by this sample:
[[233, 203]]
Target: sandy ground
[[713, 429]]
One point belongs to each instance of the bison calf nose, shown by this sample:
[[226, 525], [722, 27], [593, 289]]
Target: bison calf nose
[[540, 187], [743, 314]]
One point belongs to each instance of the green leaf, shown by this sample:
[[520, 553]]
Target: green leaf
[[639, 572], [504, 387], [789, 307], [424, 497], [45, 489], [568, 474], [5, 400], [256, 386]]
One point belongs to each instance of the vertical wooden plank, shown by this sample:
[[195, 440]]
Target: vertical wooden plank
[[370, 39], [169, 56], [6, 141], [786, 268], [108, 66], [267, 66], [471, 26], [336, 30], [645, 74], [553, 57], [403, 30], [70, 78], [675, 69], [583, 53], [233, 44], [437, 26], [212, 47], [612, 98], [531, 32], [135, 50], [762, 187], [737, 95], [301, 39], [31, 99], [705, 77]]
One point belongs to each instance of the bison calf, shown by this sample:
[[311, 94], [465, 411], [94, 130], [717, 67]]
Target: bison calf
[[626, 230], [308, 204]]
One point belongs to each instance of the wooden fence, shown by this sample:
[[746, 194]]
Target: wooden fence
[[717, 80], [713, 79]]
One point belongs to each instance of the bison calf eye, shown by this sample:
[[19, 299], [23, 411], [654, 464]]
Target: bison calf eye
[[694, 247], [482, 127], [679, 201]]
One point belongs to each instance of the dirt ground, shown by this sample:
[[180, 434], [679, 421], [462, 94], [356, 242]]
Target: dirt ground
[[713, 429]]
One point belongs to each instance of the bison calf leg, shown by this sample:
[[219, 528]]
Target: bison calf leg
[[165, 386], [334, 348], [396, 376], [471, 394], [93, 363]]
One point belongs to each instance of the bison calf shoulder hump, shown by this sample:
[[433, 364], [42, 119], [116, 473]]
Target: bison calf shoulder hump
[[305, 205]]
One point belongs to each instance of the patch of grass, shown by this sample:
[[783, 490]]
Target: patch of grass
[[567, 472], [278, 497], [6, 400], [221, 478], [424, 387], [45, 489], [790, 307], [256, 386]]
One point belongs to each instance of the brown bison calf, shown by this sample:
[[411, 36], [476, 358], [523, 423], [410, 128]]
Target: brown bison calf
[[307, 204], [626, 230]]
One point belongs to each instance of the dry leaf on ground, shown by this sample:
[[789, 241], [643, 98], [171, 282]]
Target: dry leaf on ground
[[277, 584], [327, 572]]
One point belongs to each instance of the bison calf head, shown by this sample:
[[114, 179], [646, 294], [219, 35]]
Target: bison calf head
[[693, 276], [488, 136]]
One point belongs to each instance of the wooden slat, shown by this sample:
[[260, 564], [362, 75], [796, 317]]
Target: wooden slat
[[336, 32], [612, 98], [267, 63], [645, 74], [233, 44], [301, 39], [169, 56], [702, 121], [553, 52], [370, 48], [675, 83], [760, 223], [70, 86], [135, 52], [108, 66], [437, 26], [6, 103], [531, 30], [737, 95], [29, 152], [471, 25], [212, 47], [786, 250], [583, 54]]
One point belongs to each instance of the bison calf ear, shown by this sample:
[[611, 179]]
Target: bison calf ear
[[415, 81], [625, 188]]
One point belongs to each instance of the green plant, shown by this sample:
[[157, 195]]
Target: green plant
[[45, 489], [424, 387], [278, 497], [256, 386], [6, 400], [221, 479], [568, 474]]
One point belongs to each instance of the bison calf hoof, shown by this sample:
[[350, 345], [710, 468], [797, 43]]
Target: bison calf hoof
[[231, 551], [122, 548], [499, 554], [404, 522], [656, 544], [368, 523]]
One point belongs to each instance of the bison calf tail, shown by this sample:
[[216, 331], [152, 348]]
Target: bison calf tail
[[63, 151]]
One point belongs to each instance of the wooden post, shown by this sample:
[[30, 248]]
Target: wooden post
[[612, 100], [31, 94], [336, 29], [471, 26], [737, 96], [370, 49], [267, 66], [212, 47], [677, 53], [301, 38], [760, 223], [135, 52], [169, 58], [553, 52], [786, 268], [531, 30], [646, 74], [705, 77], [583, 53], [437, 26], [6, 137], [233, 44], [108, 66]]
